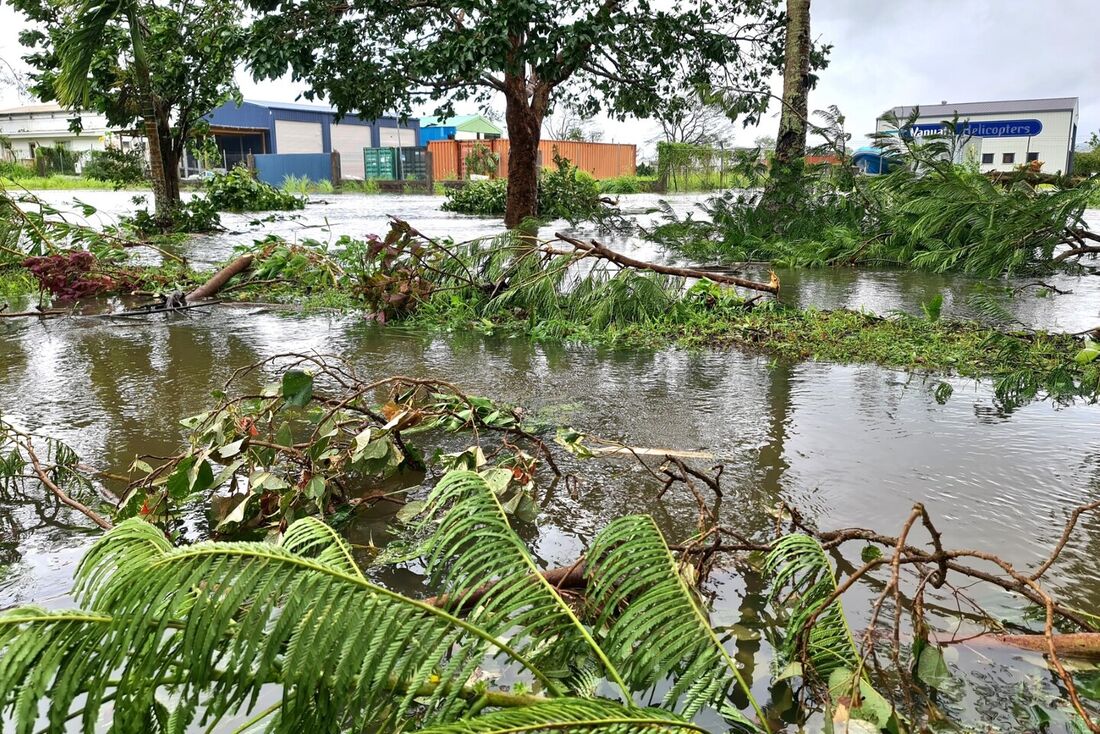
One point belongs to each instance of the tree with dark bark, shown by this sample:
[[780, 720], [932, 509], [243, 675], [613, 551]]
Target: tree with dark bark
[[623, 56], [162, 65], [790, 143]]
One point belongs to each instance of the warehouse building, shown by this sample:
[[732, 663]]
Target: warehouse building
[[1002, 136], [283, 127]]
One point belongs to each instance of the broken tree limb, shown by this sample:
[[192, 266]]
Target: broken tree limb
[[595, 249], [219, 279], [1072, 644]]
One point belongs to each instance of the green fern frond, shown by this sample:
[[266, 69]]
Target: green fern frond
[[802, 580], [570, 715], [473, 549], [655, 628], [212, 624]]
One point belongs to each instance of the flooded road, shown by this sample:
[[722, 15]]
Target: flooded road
[[881, 291], [847, 445]]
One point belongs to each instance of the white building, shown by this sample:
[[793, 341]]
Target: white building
[[23, 129], [1001, 136]]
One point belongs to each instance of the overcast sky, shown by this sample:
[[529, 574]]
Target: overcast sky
[[887, 53]]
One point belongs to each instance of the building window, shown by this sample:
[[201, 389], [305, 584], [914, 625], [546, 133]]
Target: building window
[[1032, 157], [1008, 158], [987, 157]]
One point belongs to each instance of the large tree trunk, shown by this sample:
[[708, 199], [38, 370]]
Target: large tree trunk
[[165, 177], [170, 157], [524, 132], [161, 197], [790, 143]]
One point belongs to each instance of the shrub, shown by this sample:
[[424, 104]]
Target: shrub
[[119, 167], [564, 193], [1087, 163], [239, 191], [197, 215], [15, 171], [487, 197]]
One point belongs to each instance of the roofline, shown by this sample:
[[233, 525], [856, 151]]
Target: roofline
[[319, 108], [1067, 104]]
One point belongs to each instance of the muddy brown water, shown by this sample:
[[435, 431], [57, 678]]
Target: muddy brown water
[[848, 445]]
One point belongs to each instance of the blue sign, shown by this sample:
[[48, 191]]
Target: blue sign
[[984, 129]]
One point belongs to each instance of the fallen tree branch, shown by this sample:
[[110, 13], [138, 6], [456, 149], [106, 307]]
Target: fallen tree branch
[[595, 249], [219, 279]]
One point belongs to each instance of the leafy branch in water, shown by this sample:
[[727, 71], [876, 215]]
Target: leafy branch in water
[[929, 213]]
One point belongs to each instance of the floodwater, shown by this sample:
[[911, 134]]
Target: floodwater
[[846, 445]]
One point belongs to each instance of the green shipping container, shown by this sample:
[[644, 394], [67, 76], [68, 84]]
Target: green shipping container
[[380, 164]]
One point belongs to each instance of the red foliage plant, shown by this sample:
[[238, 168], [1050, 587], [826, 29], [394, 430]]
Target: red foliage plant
[[70, 276]]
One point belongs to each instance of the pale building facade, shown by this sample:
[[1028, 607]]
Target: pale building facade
[[1002, 136]]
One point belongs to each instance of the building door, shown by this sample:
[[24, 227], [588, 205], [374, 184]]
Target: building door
[[349, 141], [298, 137], [396, 137]]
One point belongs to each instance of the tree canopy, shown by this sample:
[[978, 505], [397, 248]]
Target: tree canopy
[[626, 57], [83, 54]]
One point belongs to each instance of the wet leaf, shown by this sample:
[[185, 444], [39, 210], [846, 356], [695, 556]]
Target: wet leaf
[[410, 511], [498, 479], [1089, 353], [297, 388], [870, 553], [231, 449], [931, 668], [793, 670], [285, 437]]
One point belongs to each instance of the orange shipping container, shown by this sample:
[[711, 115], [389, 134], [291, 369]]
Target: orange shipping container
[[602, 160]]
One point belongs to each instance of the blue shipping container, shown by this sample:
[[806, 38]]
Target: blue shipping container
[[441, 132]]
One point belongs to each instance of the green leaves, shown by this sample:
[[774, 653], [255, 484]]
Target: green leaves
[[472, 542], [931, 668], [1088, 354], [802, 581], [297, 388], [570, 715], [229, 619], [655, 628]]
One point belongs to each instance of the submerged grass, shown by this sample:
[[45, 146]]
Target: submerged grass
[[1023, 365]]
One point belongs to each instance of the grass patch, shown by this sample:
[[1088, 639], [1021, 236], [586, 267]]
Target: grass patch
[[62, 183]]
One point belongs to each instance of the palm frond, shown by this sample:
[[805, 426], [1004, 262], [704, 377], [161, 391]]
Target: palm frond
[[473, 549], [78, 49], [655, 628], [803, 580], [570, 715], [212, 624]]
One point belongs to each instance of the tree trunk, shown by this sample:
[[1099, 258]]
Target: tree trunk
[[161, 197], [170, 157], [790, 143], [524, 133], [166, 194]]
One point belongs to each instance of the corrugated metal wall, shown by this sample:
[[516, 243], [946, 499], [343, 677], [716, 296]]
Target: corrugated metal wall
[[602, 160]]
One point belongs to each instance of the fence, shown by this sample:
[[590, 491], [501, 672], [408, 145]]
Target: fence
[[274, 168], [602, 160]]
